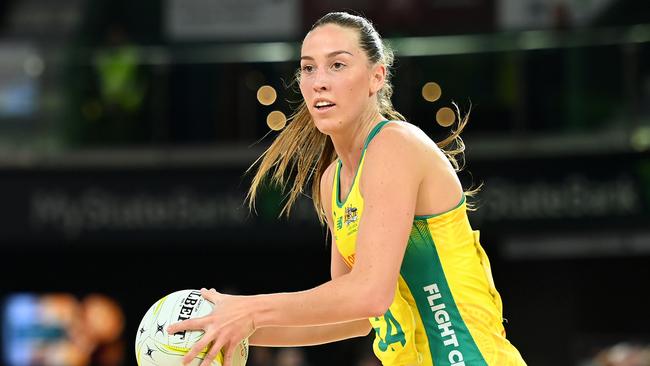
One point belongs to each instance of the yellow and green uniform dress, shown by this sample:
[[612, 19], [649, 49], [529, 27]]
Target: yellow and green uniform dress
[[446, 310]]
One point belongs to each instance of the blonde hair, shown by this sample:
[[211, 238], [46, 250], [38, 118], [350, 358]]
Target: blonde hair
[[302, 153]]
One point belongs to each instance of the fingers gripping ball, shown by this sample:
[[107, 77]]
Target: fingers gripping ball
[[155, 347]]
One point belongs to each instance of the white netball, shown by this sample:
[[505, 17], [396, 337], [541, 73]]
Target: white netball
[[155, 347]]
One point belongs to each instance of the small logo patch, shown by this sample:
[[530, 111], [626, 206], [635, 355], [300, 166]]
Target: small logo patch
[[350, 215]]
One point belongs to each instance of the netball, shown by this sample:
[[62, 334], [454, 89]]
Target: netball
[[155, 347]]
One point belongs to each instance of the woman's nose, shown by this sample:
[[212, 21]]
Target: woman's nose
[[321, 81]]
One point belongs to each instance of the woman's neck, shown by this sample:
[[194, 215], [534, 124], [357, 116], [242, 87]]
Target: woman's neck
[[349, 144]]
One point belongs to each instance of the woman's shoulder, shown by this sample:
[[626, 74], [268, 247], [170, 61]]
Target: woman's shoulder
[[397, 145], [406, 136], [404, 143]]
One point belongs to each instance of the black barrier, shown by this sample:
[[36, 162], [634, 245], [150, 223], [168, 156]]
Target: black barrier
[[110, 205]]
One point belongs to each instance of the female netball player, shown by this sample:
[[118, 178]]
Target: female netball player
[[405, 260]]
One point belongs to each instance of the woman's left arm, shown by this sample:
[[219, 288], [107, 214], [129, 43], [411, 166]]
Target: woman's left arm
[[389, 185]]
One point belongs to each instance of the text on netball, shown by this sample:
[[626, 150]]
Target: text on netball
[[444, 324], [188, 307]]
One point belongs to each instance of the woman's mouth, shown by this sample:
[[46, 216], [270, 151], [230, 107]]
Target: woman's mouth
[[323, 106]]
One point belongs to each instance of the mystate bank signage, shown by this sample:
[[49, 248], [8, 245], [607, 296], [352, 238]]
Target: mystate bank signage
[[203, 203]]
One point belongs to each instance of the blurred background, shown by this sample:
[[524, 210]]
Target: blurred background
[[126, 128]]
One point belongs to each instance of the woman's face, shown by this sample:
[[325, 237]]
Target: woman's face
[[337, 81]]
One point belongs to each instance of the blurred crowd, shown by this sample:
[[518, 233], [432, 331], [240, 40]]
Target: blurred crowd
[[61, 329]]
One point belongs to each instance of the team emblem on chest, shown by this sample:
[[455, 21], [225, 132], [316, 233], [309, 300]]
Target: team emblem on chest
[[349, 219], [350, 215]]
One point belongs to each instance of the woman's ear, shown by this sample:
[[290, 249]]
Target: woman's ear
[[377, 78]]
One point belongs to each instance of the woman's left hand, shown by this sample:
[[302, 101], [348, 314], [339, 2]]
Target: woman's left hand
[[229, 323]]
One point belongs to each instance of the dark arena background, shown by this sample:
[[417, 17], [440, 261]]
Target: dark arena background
[[127, 127]]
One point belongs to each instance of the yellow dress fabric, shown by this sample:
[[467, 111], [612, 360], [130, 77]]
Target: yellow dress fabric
[[446, 309]]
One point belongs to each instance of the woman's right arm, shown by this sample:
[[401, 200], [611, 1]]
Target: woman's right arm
[[308, 336]]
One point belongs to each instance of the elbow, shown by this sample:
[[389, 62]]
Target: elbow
[[378, 308], [375, 303]]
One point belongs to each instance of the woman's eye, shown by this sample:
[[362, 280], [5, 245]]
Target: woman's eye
[[307, 68], [337, 65]]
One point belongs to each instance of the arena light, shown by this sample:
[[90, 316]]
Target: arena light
[[276, 120], [445, 117], [266, 95], [431, 91]]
